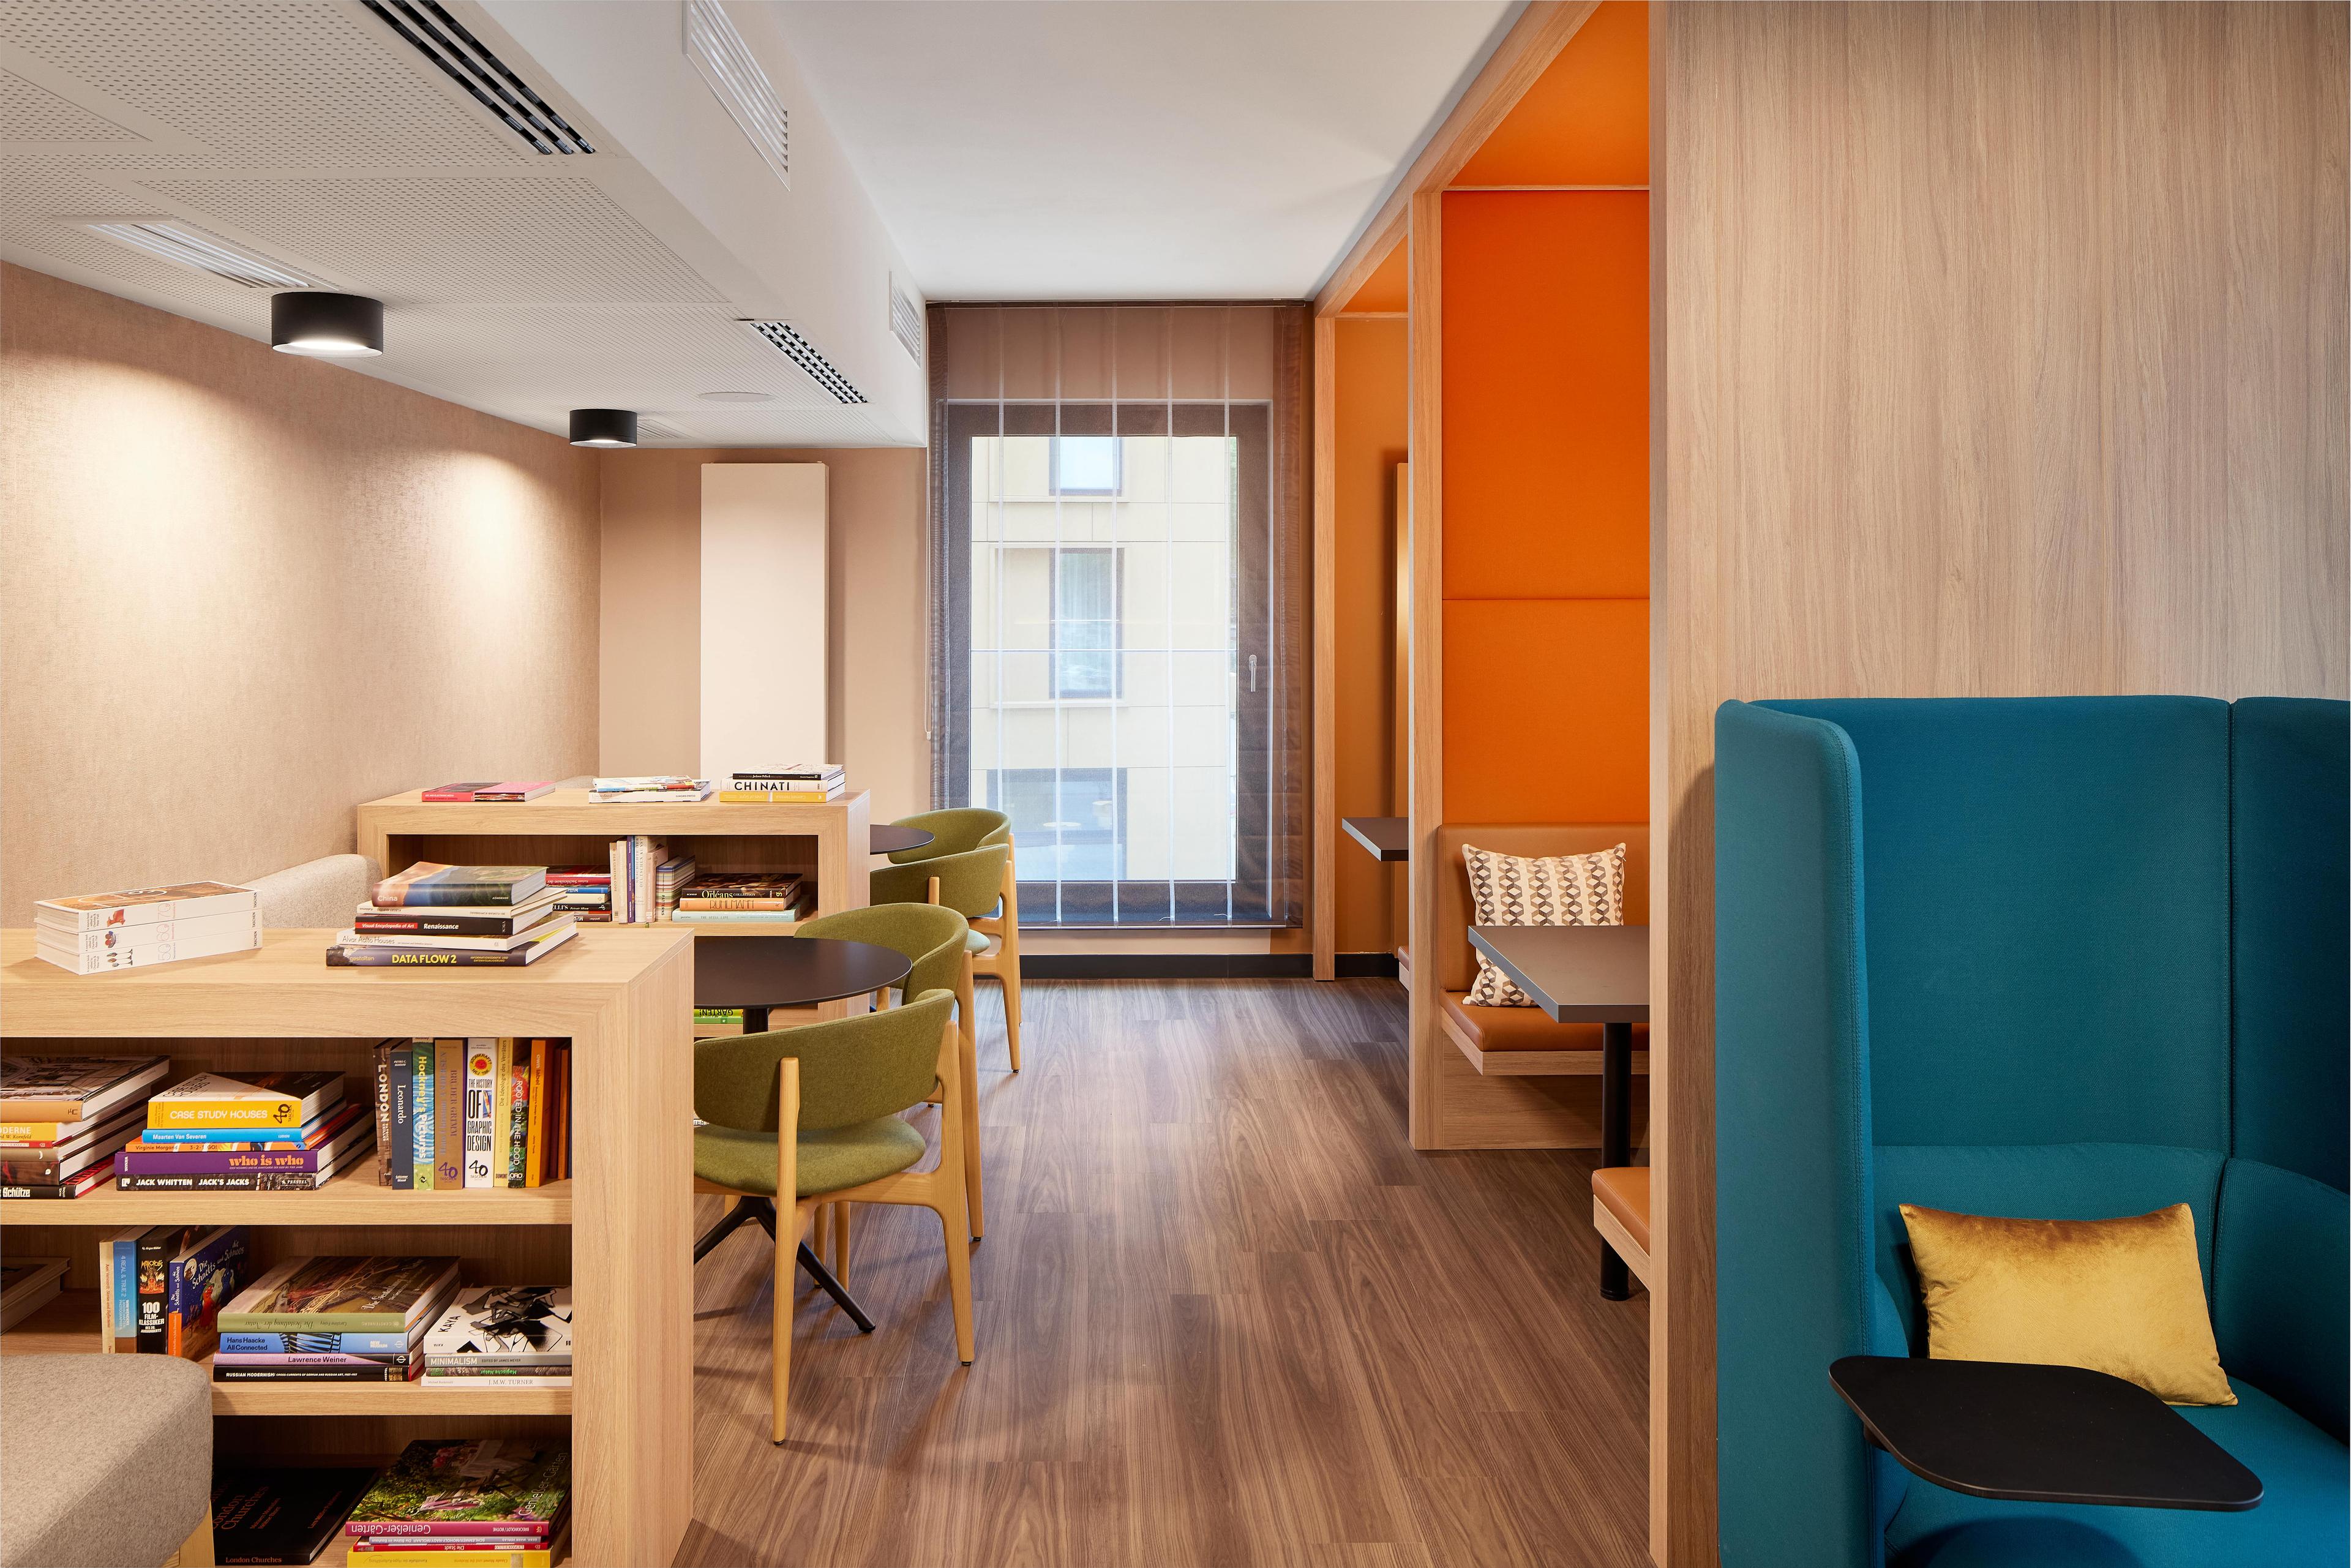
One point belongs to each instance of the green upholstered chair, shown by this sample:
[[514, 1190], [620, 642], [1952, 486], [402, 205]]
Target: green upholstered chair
[[976, 883], [954, 830], [840, 1087], [932, 938]]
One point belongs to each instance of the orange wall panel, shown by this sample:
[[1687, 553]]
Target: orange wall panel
[[1546, 395], [1383, 290], [1370, 429], [1586, 121], [1547, 710]]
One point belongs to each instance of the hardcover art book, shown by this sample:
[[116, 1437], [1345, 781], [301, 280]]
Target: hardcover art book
[[483, 1486], [341, 1295], [283, 1516], [72, 1088], [143, 905], [504, 1325], [430, 881], [256, 1102]]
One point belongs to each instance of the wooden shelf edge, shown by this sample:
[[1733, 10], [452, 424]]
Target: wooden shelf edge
[[352, 1197]]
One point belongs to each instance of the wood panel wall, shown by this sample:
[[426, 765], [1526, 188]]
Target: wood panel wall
[[2002, 352]]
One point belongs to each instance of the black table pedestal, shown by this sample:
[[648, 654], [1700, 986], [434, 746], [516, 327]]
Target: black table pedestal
[[1616, 1137], [762, 1211]]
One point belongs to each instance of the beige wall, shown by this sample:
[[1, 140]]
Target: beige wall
[[2002, 351], [650, 639], [241, 593]]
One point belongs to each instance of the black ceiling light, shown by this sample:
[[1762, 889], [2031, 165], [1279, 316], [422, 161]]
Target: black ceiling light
[[329, 326], [603, 427]]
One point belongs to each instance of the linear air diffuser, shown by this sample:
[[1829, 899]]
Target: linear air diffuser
[[442, 39], [741, 87], [802, 352]]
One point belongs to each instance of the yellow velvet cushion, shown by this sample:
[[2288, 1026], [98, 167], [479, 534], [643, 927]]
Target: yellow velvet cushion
[[2118, 1296]]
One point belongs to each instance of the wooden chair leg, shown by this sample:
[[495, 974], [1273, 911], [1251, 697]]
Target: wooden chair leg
[[788, 1238], [1007, 967], [969, 1030], [949, 1205], [840, 1242]]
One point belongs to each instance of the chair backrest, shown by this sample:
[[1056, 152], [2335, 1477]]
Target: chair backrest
[[930, 936], [853, 1069], [322, 893], [954, 829], [1457, 962], [969, 884], [2045, 893], [2290, 850]]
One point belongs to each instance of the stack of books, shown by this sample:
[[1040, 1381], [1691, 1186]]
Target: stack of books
[[146, 926], [497, 916], [63, 1118], [582, 891], [256, 1132], [508, 789], [160, 1288], [334, 1320], [718, 897], [480, 1112], [283, 1516], [810, 783], [507, 1336], [652, 787], [457, 1503], [28, 1284]]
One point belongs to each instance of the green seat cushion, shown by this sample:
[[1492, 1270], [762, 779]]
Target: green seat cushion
[[843, 1158], [976, 941]]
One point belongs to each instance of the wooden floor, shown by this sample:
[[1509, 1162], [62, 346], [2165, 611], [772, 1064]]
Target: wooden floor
[[1226, 1316]]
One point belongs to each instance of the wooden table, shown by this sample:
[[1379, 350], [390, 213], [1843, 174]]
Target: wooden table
[[2039, 1433], [890, 839], [758, 973], [1587, 974], [619, 1231], [1387, 838]]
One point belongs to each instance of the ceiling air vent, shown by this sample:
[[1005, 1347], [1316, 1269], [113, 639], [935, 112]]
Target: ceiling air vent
[[802, 352], [190, 246], [725, 62], [655, 430], [906, 322], [442, 39]]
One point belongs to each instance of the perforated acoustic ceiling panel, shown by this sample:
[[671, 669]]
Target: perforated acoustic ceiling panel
[[536, 241], [645, 359], [30, 112], [284, 83]]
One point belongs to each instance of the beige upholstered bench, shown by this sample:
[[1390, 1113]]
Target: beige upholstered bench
[[317, 894], [128, 1484]]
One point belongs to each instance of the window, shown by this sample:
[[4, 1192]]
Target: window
[[1085, 465], [1116, 635]]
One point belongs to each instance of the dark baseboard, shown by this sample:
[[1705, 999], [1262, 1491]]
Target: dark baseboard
[[1199, 965]]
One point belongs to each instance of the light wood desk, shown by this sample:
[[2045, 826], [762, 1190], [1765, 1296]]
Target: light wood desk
[[619, 1231], [564, 827]]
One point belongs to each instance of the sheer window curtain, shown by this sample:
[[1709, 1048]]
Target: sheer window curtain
[[1117, 640]]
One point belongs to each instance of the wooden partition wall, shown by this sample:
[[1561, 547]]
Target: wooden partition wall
[[2003, 353]]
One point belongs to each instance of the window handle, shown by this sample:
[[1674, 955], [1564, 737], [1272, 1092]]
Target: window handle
[[1252, 673]]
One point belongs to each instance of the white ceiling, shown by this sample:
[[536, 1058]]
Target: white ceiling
[[1151, 150]]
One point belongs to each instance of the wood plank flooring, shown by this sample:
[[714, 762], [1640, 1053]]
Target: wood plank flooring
[[1226, 1316]]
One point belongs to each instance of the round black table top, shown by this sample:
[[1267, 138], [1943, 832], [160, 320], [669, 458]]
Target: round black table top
[[890, 839], [790, 971]]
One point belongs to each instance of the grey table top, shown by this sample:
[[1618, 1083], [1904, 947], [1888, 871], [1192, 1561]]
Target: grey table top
[[1577, 973], [1388, 837]]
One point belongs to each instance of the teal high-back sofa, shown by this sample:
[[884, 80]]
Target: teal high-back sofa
[[2052, 957]]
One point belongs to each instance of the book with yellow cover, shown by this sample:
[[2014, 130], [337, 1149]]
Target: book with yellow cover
[[214, 1100]]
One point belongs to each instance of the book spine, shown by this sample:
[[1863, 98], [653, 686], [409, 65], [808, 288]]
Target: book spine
[[260, 1114], [481, 1096], [620, 884], [354, 956], [560, 1073], [434, 923], [201, 928], [518, 1115], [714, 901], [171, 952], [128, 914], [535, 1154], [352, 1372], [106, 1318], [383, 1114], [527, 1531], [449, 1116], [781, 796], [195, 1161], [400, 1169], [155, 1250], [501, 1110], [425, 1116], [249, 1181], [72, 1186], [375, 1344]]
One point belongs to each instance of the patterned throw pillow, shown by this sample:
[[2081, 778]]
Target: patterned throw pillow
[[1559, 890]]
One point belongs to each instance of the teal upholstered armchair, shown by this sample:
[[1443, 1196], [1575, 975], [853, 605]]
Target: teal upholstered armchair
[[2058, 957]]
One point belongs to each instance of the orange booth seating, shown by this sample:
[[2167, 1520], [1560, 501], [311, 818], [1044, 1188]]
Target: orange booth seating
[[1523, 1040]]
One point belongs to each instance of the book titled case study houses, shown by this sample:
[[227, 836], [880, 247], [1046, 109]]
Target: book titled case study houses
[[555, 1318]]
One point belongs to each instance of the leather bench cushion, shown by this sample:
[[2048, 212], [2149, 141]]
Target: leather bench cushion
[[1624, 1191], [1526, 1028], [1456, 963]]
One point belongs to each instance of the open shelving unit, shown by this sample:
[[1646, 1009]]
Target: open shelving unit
[[829, 841], [619, 1231]]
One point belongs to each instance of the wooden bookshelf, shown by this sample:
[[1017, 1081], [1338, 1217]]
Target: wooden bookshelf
[[829, 841], [619, 1231]]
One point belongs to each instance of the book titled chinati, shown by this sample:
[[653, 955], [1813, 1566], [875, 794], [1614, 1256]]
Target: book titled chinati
[[430, 881], [481, 1486], [341, 1295]]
